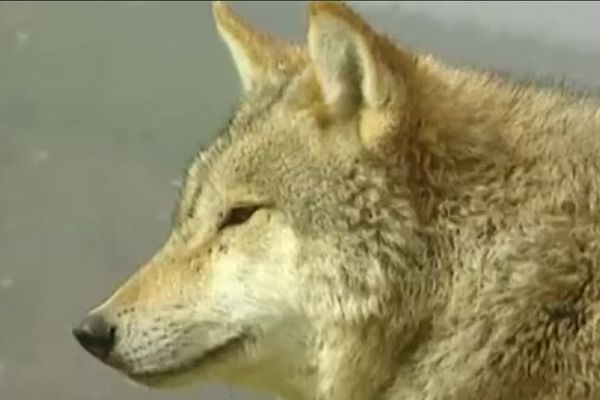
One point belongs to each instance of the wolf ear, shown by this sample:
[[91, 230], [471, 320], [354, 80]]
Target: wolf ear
[[348, 59], [258, 57]]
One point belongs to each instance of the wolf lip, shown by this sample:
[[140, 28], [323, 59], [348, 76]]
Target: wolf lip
[[155, 377]]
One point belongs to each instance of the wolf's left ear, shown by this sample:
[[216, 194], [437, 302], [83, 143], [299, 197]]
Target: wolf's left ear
[[258, 57], [349, 59]]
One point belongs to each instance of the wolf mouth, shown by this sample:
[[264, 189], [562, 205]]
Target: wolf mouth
[[156, 376]]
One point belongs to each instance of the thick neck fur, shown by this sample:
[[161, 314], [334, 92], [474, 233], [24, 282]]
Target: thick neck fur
[[476, 132], [489, 157]]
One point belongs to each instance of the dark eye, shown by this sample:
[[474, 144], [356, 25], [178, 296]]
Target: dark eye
[[237, 216]]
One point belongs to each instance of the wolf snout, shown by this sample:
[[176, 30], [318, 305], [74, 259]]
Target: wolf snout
[[96, 335]]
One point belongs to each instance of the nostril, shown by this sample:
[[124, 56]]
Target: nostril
[[96, 336], [112, 333]]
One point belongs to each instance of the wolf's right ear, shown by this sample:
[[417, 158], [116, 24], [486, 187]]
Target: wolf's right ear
[[349, 59], [258, 57], [359, 72]]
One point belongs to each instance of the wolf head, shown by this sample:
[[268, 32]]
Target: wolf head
[[295, 229]]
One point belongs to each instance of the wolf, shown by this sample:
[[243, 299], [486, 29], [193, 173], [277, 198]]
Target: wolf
[[373, 223]]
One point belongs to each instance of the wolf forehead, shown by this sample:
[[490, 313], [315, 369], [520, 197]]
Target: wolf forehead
[[251, 115], [251, 127]]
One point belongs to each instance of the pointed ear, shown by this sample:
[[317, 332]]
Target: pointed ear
[[258, 57], [349, 59]]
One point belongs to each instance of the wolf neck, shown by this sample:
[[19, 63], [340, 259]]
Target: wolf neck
[[476, 130], [481, 105]]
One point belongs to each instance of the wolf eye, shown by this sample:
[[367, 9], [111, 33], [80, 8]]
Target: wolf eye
[[237, 216]]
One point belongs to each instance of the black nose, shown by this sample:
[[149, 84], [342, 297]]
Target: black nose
[[96, 335]]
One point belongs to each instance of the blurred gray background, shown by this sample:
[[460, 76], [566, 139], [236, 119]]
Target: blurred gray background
[[102, 104]]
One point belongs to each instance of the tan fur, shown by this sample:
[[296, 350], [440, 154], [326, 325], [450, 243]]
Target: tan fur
[[423, 232]]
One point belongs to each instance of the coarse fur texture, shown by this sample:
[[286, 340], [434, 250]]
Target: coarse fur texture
[[377, 224]]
